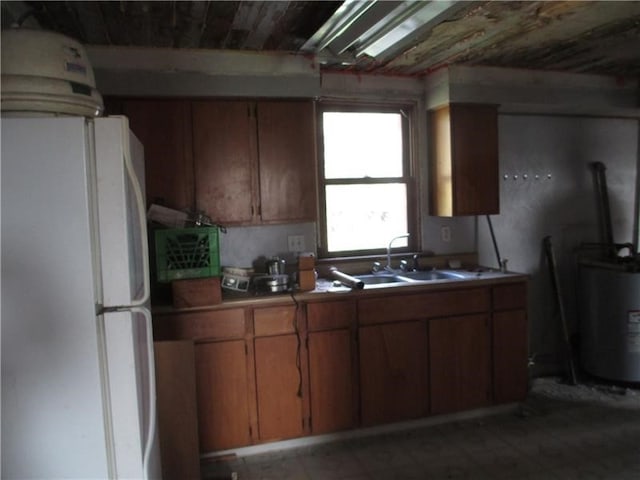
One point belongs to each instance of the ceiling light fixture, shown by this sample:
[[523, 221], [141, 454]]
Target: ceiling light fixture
[[377, 28]]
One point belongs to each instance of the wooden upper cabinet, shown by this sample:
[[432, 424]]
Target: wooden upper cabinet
[[164, 128], [224, 150], [463, 141], [286, 144], [254, 161]]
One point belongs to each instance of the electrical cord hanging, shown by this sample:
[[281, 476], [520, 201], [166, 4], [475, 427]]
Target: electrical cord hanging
[[299, 346]]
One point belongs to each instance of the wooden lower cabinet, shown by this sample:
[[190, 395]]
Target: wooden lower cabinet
[[279, 387], [331, 381], [177, 409], [267, 373], [393, 372], [222, 393], [509, 330], [460, 363], [510, 356], [333, 376]]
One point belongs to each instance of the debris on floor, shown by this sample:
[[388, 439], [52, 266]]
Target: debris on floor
[[561, 432]]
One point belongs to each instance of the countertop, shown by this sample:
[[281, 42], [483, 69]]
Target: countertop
[[326, 289]]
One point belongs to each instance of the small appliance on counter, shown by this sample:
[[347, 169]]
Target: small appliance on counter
[[236, 279], [307, 274], [275, 280], [276, 266], [271, 283]]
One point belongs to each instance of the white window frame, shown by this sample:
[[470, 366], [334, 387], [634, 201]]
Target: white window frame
[[409, 177]]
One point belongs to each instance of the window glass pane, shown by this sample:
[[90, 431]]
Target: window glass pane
[[363, 217], [360, 144]]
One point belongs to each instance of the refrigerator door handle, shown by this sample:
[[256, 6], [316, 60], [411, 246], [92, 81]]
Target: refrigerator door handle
[[151, 429], [142, 215]]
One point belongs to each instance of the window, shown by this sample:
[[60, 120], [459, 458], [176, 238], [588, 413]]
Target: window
[[366, 183]]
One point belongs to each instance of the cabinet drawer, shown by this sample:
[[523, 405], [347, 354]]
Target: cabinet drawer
[[274, 321], [510, 296], [212, 325], [398, 308], [330, 315]]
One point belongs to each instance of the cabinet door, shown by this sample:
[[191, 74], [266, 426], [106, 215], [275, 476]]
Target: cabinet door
[[464, 160], [331, 377], [474, 147], [286, 136], [393, 372], [164, 128], [177, 409], [279, 387], [224, 150], [459, 363], [222, 388], [510, 352]]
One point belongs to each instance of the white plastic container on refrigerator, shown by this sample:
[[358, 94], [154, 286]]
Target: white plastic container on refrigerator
[[78, 394]]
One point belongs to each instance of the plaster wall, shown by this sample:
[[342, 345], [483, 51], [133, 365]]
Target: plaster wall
[[526, 141], [152, 72], [560, 202]]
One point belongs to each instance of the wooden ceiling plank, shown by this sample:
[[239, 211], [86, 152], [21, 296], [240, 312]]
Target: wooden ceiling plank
[[115, 24], [189, 23], [577, 36], [266, 24], [203, 23], [239, 28], [470, 34], [300, 21], [525, 35], [219, 21], [92, 21]]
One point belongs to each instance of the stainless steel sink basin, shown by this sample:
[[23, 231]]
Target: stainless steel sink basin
[[379, 279], [407, 277], [382, 279], [430, 275]]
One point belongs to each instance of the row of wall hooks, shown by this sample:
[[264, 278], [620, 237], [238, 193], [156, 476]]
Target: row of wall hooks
[[526, 176]]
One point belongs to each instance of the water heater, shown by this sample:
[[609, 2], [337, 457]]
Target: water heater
[[610, 323], [46, 72]]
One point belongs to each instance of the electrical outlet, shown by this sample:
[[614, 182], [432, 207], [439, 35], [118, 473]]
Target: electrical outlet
[[296, 243], [445, 234]]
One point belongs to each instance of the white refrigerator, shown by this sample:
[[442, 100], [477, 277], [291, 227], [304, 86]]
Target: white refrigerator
[[78, 393]]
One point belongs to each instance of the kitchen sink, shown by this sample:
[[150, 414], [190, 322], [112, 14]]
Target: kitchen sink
[[407, 277], [424, 276], [430, 275], [399, 278], [373, 279]]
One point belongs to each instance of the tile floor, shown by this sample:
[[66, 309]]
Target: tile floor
[[561, 432]]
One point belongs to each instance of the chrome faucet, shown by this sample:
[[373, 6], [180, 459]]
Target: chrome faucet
[[388, 266]]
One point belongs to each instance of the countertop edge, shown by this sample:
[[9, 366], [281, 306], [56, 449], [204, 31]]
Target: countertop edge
[[292, 298]]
